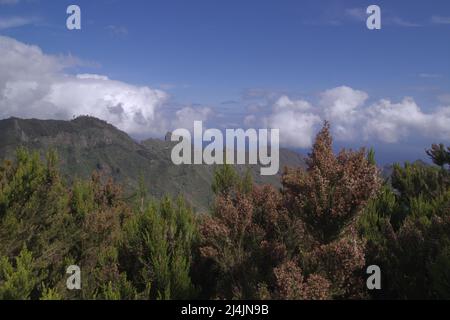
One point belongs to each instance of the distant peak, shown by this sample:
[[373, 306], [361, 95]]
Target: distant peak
[[87, 118]]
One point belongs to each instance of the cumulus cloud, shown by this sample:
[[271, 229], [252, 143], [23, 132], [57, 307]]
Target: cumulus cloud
[[392, 122], [296, 124], [342, 106], [352, 119], [35, 85], [185, 117], [284, 102]]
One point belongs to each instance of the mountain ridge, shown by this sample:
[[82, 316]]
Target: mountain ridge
[[86, 144]]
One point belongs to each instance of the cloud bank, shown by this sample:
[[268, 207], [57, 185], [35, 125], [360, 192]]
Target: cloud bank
[[36, 85], [353, 120]]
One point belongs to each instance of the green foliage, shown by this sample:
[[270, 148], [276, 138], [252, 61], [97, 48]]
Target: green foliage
[[371, 156], [439, 155], [418, 179], [440, 276], [259, 242], [376, 217], [49, 294], [246, 183], [17, 280], [34, 214], [224, 180], [227, 180], [122, 289], [88, 224], [407, 229], [157, 250]]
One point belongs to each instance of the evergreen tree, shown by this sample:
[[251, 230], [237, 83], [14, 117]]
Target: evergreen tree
[[439, 155], [225, 179], [156, 250], [17, 280], [408, 231]]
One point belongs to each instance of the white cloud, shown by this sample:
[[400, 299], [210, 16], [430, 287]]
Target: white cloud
[[285, 103], [296, 124], [391, 122], [342, 102], [35, 85], [90, 76], [184, 118], [297, 129], [341, 106], [353, 120]]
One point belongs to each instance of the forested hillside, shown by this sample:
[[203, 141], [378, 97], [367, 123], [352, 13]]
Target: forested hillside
[[313, 238], [87, 144]]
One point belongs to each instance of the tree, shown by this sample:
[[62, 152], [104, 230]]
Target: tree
[[407, 228], [298, 244], [88, 224], [439, 155], [371, 157], [34, 214], [224, 179], [156, 250], [17, 280], [328, 198]]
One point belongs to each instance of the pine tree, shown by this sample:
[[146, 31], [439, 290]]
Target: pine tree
[[439, 155], [17, 280], [225, 179], [156, 250]]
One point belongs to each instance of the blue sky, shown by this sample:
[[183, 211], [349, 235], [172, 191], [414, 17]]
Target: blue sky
[[237, 58]]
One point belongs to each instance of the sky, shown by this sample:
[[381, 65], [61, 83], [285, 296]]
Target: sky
[[153, 66]]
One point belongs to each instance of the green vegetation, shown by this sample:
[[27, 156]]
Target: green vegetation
[[407, 228], [313, 238], [87, 144], [124, 252]]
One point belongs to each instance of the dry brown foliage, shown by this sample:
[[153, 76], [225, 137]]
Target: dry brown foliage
[[299, 243]]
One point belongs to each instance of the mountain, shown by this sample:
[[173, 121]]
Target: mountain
[[86, 144]]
